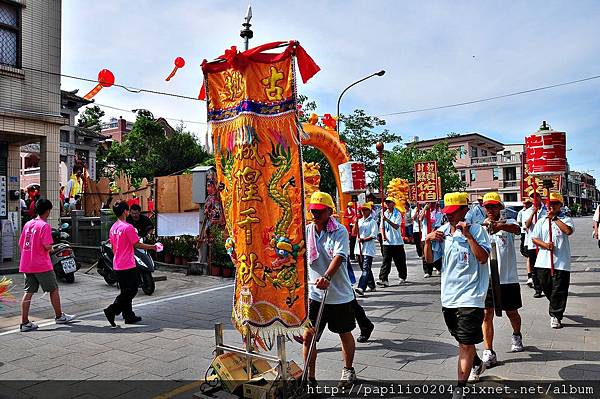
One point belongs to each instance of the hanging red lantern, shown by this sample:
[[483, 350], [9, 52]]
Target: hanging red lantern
[[179, 63], [105, 79]]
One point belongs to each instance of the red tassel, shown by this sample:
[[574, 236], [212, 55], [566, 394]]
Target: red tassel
[[307, 66], [202, 95]]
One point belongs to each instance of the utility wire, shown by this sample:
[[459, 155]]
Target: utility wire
[[490, 98], [460, 104]]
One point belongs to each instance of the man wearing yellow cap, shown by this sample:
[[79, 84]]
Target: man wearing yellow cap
[[502, 233], [464, 250], [365, 246], [536, 212], [556, 287], [327, 251], [393, 245]]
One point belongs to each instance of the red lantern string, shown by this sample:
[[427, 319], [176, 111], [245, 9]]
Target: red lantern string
[[179, 63], [105, 79]]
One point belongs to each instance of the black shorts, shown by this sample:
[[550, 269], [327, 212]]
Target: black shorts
[[532, 256], [465, 324], [339, 318], [510, 295]]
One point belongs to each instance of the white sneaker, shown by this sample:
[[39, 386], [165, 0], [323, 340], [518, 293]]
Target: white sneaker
[[489, 358], [517, 343], [29, 326], [382, 283], [426, 275], [555, 323], [435, 272], [530, 282], [369, 289], [476, 373], [359, 291], [402, 281], [64, 318], [348, 378]]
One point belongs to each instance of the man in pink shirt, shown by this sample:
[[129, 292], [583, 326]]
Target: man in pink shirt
[[35, 244], [124, 239]]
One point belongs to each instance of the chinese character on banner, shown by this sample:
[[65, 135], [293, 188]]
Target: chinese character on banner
[[527, 186], [426, 181], [412, 192]]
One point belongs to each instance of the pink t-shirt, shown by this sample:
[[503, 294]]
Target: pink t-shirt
[[123, 237], [34, 257]]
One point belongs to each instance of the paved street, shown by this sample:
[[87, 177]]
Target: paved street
[[410, 342]]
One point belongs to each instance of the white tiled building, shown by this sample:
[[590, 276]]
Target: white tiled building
[[30, 106]]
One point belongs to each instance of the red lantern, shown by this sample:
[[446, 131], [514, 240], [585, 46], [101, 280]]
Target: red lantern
[[353, 177], [546, 152], [105, 79], [179, 63]]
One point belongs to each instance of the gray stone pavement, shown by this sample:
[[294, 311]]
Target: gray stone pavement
[[410, 342]]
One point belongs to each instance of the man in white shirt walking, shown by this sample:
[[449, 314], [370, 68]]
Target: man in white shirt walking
[[502, 232], [393, 245], [530, 217], [556, 287]]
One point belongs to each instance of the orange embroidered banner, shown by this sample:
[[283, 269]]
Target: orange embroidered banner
[[252, 113]]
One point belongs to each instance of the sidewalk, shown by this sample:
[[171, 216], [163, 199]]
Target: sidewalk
[[410, 342]]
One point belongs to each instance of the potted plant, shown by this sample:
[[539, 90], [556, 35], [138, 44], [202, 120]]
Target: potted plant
[[167, 243], [180, 250], [219, 257]]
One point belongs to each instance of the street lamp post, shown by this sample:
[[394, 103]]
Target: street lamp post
[[337, 125]]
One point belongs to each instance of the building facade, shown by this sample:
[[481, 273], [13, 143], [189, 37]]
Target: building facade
[[30, 106], [484, 164]]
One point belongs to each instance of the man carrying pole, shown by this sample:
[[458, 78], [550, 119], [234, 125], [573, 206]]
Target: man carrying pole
[[393, 245], [531, 216], [464, 250], [551, 234], [327, 249], [502, 233]]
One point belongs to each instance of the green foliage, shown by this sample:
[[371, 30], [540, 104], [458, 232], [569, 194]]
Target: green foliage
[[91, 118], [361, 132], [219, 252], [400, 163], [147, 152]]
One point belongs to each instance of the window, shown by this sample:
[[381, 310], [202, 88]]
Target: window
[[484, 153], [473, 175], [65, 136], [10, 34], [473, 152], [510, 197], [496, 173], [462, 152], [463, 175]]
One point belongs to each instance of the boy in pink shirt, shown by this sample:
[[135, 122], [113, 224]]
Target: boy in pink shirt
[[124, 239], [35, 244]]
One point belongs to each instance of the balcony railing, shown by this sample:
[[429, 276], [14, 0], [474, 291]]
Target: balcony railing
[[497, 159], [510, 183]]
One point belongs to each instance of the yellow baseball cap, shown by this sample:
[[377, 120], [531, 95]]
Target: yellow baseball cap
[[350, 204], [492, 199], [320, 200], [453, 202], [367, 205], [390, 199], [556, 197]]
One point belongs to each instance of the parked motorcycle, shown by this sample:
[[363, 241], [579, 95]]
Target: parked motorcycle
[[62, 255], [143, 261]]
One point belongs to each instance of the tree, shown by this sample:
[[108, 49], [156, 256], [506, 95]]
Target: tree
[[400, 163], [91, 118], [147, 152]]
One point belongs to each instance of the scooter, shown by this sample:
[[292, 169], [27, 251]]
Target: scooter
[[143, 261], [62, 255]]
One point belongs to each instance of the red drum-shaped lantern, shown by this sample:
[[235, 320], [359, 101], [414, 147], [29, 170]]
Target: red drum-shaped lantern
[[546, 152], [353, 177], [105, 79]]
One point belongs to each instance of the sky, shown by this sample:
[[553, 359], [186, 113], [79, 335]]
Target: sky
[[434, 53]]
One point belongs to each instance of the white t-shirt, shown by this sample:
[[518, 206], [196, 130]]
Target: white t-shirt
[[526, 215], [520, 220], [507, 257], [367, 228], [597, 215], [562, 248], [414, 214]]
